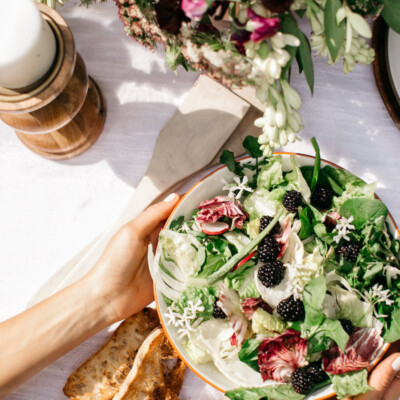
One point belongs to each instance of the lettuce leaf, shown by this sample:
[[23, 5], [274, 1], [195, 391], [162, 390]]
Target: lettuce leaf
[[276, 392], [271, 174], [249, 353], [206, 295], [350, 384], [393, 333], [296, 180], [264, 202]]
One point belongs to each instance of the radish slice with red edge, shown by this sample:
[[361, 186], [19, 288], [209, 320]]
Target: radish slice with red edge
[[217, 228], [243, 261]]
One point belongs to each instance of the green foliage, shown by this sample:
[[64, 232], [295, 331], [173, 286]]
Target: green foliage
[[249, 353], [391, 14], [393, 332], [205, 295], [335, 33], [317, 165], [228, 158], [176, 223], [252, 147]]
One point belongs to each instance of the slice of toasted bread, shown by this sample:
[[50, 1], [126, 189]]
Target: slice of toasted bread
[[101, 376], [157, 372]]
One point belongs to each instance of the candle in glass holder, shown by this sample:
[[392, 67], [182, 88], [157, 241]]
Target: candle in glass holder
[[27, 44]]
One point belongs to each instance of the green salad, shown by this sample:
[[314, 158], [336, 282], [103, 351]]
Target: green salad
[[287, 280]]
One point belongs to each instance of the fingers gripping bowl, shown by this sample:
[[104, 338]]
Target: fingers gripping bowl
[[303, 308]]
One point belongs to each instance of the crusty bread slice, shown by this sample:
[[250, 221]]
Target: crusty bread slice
[[157, 372], [101, 376]]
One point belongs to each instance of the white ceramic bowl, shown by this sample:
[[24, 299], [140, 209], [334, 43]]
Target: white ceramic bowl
[[207, 188]]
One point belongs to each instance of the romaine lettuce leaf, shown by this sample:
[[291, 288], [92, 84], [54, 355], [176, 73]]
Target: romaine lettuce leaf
[[276, 392], [350, 384], [271, 174], [297, 181]]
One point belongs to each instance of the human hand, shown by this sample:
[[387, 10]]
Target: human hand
[[121, 278], [385, 380]]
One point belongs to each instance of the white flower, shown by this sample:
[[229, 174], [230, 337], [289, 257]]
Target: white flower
[[241, 186], [377, 295], [185, 322], [390, 273], [343, 227]]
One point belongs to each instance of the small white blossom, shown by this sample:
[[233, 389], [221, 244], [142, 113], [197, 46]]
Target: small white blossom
[[185, 322], [241, 186], [391, 273], [343, 227], [377, 295]]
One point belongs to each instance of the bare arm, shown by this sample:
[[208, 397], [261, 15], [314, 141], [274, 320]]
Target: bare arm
[[117, 287]]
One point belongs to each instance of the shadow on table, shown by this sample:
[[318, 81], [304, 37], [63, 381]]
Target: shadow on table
[[130, 78]]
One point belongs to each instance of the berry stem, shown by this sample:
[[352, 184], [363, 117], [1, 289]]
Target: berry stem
[[244, 252]]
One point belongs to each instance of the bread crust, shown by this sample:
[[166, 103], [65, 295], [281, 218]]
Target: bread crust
[[101, 376]]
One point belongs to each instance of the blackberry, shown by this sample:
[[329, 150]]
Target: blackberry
[[350, 251], [347, 326], [301, 380], [322, 197], [218, 312], [265, 221], [291, 309], [271, 274], [315, 370], [292, 200], [268, 249]]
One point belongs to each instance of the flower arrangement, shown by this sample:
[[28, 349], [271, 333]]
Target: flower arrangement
[[256, 42]]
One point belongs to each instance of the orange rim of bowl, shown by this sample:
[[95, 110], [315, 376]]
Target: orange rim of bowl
[[187, 363]]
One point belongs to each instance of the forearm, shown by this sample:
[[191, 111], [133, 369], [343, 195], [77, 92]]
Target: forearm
[[35, 338]]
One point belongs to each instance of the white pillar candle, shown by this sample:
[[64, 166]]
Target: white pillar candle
[[27, 44]]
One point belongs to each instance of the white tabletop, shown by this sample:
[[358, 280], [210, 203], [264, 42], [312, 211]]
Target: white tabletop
[[50, 210]]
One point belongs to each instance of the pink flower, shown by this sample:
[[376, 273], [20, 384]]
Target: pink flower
[[222, 206], [263, 28], [194, 9], [280, 356]]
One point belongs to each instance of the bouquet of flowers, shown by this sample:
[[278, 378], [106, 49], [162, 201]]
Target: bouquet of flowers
[[255, 43]]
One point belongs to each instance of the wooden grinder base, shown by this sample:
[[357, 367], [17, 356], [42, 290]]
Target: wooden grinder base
[[61, 116]]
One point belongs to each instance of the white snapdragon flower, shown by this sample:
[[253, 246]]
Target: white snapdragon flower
[[343, 228], [241, 186]]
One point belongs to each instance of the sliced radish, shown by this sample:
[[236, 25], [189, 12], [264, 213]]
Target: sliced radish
[[217, 228], [239, 264]]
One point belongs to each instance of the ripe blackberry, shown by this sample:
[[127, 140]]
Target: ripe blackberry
[[271, 274], [218, 313], [347, 326], [301, 380], [322, 197], [292, 200], [350, 251], [265, 221], [291, 310], [268, 249], [315, 370]]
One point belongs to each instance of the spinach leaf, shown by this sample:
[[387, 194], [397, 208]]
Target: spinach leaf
[[228, 158], [306, 226], [277, 392], [363, 210], [249, 353], [342, 177], [176, 223], [393, 333]]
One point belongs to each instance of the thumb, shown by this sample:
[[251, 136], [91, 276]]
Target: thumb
[[149, 219], [382, 377]]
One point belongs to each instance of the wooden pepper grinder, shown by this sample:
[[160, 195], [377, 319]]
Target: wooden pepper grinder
[[62, 114]]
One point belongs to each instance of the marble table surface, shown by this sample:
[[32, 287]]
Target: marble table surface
[[49, 210]]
